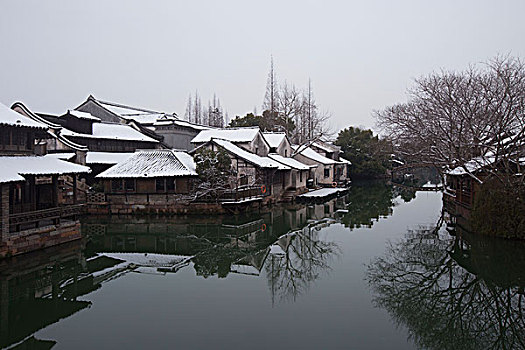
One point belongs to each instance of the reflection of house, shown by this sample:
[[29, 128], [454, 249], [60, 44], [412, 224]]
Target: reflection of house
[[34, 213], [34, 293], [152, 180]]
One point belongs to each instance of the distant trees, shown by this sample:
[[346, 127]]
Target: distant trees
[[213, 115], [370, 155], [451, 117], [294, 111]]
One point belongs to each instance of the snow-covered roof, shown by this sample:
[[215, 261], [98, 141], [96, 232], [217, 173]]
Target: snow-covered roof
[[83, 115], [274, 139], [140, 115], [313, 155], [263, 162], [149, 259], [122, 110], [292, 163], [106, 157], [12, 118], [231, 134], [472, 166], [144, 118], [14, 168], [168, 120], [153, 163], [112, 131], [62, 156], [344, 161], [326, 147]]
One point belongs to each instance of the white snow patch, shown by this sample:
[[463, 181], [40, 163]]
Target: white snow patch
[[323, 192]]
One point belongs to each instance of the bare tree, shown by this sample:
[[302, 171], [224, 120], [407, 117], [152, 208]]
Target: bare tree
[[271, 96], [452, 117]]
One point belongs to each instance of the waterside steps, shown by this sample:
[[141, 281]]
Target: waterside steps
[[322, 195]]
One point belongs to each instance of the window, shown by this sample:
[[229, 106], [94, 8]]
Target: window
[[170, 185], [286, 154], [15, 138], [326, 172], [116, 185], [300, 176], [4, 136], [160, 185], [129, 185], [256, 150]]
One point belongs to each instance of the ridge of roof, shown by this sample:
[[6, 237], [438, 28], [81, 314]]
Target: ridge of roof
[[119, 105]]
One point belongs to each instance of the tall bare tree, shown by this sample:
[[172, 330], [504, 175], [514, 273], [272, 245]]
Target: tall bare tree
[[271, 96]]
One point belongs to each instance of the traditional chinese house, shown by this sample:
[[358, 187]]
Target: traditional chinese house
[[166, 128], [279, 143], [331, 151], [34, 211], [262, 174], [327, 171], [149, 180], [249, 139]]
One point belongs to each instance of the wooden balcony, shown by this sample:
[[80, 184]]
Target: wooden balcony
[[46, 214]]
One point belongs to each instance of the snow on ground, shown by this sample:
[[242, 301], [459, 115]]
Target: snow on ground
[[323, 192]]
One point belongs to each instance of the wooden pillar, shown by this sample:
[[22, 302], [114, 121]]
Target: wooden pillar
[[54, 181], [74, 188], [5, 212], [32, 189]]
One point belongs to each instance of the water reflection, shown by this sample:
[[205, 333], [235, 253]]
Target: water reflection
[[41, 288], [463, 292], [286, 246]]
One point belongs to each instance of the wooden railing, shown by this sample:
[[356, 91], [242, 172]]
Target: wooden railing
[[245, 192], [239, 194], [46, 214]]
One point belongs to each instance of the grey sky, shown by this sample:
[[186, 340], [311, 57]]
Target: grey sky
[[360, 55]]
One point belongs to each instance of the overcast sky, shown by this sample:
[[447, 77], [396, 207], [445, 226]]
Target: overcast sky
[[360, 55]]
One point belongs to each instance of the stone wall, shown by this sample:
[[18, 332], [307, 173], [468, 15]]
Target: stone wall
[[122, 204], [39, 238]]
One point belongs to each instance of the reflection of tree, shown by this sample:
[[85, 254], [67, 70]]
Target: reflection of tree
[[367, 203], [296, 260], [444, 305]]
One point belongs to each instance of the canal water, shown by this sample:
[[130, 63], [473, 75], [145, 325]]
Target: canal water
[[376, 269]]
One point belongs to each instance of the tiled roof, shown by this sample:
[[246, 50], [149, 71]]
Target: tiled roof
[[274, 139], [111, 131], [258, 161], [230, 134], [313, 155], [106, 157], [14, 168], [152, 163], [12, 118], [83, 115], [292, 163]]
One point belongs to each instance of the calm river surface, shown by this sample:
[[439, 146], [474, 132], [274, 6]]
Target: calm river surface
[[368, 271]]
